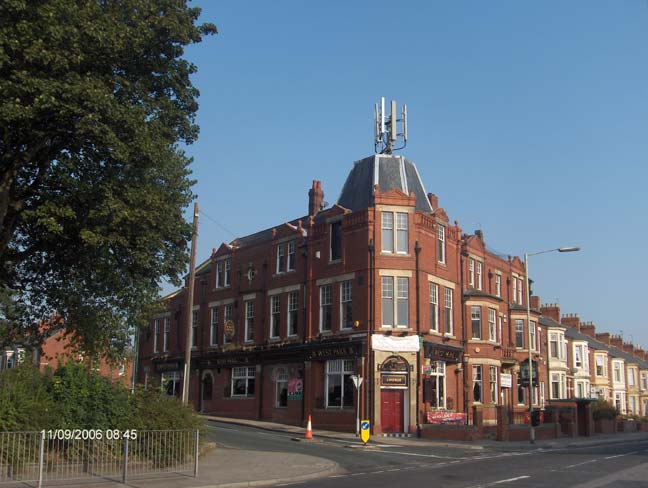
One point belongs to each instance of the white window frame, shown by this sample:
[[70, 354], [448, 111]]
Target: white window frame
[[293, 306], [520, 292], [631, 377], [475, 316], [387, 294], [514, 289], [448, 311], [441, 244], [402, 233], [477, 378], [578, 356], [228, 271], [492, 325], [275, 316], [599, 361], [290, 261], [434, 307], [246, 373], [493, 390], [341, 367], [281, 258], [478, 273], [498, 285], [213, 329], [402, 297], [534, 338], [471, 272], [166, 334], [326, 300], [519, 332], [438, 376], [249, 321], [387, 232], [227, 316], [346, 300], [281, 382]]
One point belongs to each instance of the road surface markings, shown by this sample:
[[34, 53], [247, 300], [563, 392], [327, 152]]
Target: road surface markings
[[339, 476], [417, 455], [500, 482], [621, 455], [507, 481], [580, 464]]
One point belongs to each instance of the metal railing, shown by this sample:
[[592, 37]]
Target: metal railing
[[58, 455]]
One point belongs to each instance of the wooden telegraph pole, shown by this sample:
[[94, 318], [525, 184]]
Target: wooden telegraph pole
[[189, 307]]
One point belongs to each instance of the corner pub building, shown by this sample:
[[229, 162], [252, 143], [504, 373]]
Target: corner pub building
[[379, 285]]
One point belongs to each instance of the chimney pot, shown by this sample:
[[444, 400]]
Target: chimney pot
[[315, 198]]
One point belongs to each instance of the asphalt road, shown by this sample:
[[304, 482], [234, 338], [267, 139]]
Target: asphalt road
[[619, 465]]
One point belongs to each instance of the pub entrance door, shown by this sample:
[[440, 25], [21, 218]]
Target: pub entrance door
[[392, 410]]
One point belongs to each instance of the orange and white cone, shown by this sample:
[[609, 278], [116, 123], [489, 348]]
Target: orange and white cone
[[309, 429]]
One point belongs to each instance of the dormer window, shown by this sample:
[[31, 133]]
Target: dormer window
[[291, 256], [223, 272], [441, 247], [281, 258], [336, 240]]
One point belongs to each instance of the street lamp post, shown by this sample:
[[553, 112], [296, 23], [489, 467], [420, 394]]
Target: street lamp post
[[528, 307]]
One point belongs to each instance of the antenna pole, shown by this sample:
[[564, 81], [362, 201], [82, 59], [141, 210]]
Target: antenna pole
[[189, 317], [386, 132]]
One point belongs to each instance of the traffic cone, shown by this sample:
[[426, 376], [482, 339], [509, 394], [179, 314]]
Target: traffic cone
[[309, 429]]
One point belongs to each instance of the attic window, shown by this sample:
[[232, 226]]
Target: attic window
[[336, 241]]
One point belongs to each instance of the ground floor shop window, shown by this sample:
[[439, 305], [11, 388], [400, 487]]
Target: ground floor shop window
[[243, 381], [339, 385], [436, 385], [171, 383], [281, 388]]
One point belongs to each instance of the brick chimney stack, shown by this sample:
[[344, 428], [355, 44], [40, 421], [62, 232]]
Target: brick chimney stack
[[628, 347], [535, 302], [571, 320], [604, 337], [551, 310], [315, 198], [639, 353], [589, 329], [434, 200], [617, 342]]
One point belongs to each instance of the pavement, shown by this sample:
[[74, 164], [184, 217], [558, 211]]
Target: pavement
[[236, 468]]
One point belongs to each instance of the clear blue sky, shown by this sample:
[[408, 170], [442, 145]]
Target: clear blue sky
[[529, 120]]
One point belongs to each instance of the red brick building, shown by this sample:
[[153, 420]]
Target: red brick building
[[56, 350], [380, 285]]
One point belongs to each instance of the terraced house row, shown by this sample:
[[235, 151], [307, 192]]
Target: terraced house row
[[385, 286]]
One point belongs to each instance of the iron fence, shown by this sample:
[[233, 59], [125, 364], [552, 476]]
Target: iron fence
[[39, 457]]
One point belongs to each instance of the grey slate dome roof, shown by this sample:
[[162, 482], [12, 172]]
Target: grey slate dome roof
[[388, 172]]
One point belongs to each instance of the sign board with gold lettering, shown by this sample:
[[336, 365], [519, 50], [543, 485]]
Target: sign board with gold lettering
[[393, 380]]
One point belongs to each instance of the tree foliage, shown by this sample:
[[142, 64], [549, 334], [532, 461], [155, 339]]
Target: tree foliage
[[95, 101]]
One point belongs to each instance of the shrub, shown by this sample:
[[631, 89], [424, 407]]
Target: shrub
[[154, 410], [25, 400], [602, 410]]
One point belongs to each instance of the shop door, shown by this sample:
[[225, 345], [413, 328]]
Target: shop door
[[391, 411]]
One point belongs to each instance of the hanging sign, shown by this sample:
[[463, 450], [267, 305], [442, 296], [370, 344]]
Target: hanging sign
[[506, 380]]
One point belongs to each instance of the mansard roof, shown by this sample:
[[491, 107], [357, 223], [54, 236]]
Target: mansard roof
[[389, 172]]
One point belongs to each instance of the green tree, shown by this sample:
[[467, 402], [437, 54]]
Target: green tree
[[95, 103], [25, 400]]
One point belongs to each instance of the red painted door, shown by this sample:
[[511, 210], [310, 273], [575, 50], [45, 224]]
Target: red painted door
[[391, 410]]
